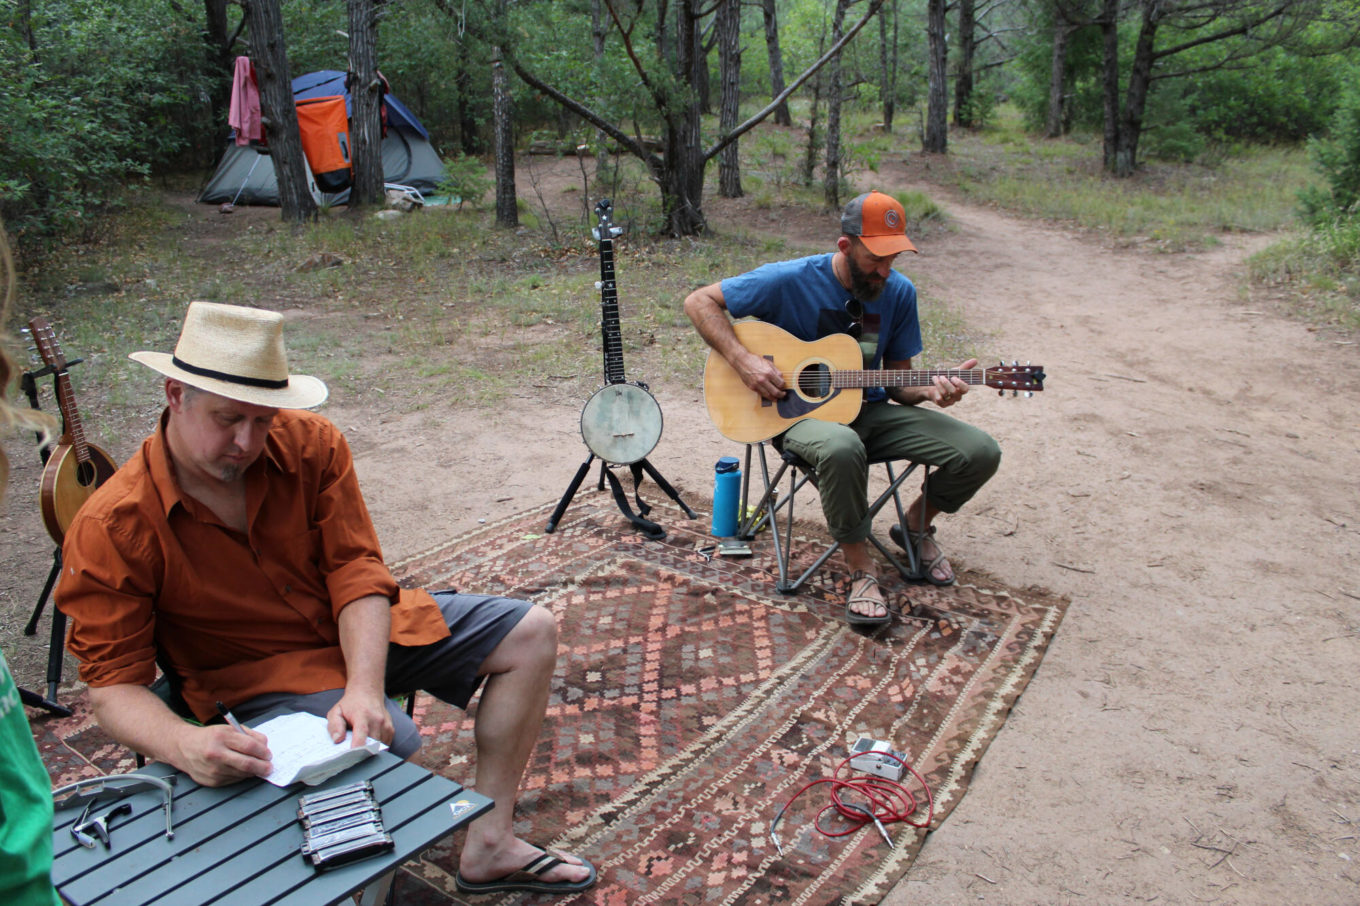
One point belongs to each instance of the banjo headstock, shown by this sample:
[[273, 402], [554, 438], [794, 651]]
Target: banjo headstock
[[605, 230]]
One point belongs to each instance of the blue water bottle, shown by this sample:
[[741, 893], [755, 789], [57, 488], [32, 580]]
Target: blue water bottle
[[726, 496]]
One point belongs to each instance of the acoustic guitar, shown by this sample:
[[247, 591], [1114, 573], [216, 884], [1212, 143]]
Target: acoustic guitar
[[824, 380], [76, 467], [621, 422]]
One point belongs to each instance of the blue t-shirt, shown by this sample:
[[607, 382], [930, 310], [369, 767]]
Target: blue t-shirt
[[804, 297]]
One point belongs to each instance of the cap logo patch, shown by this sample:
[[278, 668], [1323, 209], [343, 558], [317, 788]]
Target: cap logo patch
[[890, 219]]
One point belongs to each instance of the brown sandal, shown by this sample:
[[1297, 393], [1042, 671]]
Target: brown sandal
[[863, 619]]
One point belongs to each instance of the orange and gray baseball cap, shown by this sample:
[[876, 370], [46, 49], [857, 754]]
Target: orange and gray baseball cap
[[880, 223]]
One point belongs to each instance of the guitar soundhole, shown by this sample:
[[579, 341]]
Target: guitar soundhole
[[814, 382], [86, 474]]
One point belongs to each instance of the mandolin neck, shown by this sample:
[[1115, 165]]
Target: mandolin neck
[[74, 431]]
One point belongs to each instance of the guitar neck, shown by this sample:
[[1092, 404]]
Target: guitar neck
[[910, 377], [75, 431]]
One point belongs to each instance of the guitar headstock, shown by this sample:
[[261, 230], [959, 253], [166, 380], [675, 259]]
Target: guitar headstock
[[46, 340], [1016, 378], [604, 210]]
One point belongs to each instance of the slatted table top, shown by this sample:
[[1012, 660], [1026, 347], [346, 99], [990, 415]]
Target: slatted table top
[[239, 844]]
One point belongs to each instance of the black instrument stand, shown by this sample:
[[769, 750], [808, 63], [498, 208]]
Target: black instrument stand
[[57, 641], [644, 525]]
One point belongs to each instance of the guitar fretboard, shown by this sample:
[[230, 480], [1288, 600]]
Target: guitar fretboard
[[911, 377]]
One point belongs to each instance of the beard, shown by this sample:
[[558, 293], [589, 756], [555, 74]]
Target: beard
[[864, 286]]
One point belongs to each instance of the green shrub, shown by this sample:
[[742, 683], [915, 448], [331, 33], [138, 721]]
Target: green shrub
[[466, 179], [1337, 158]]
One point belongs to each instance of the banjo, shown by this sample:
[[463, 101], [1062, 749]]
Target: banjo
[[621, 422]]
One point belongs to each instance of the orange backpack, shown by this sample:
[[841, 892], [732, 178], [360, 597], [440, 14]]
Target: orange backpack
[[324, 127]]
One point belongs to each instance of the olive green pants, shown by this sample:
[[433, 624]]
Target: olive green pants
[[963, 456]]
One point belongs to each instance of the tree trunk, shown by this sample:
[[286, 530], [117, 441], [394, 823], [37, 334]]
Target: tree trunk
[[270, 56], [219, 55], [781, 113], [599, 27], [1135, 96], [814, 133], [469, 142], [1057, 77], [366, 100], [835, 92], [681, 176], [507, 207], [700, 75], [887, 63], [963, 79], [936, 139], [1109, 88], [729, 65]]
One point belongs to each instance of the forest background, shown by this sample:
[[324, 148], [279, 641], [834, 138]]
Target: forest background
[[100, 97]]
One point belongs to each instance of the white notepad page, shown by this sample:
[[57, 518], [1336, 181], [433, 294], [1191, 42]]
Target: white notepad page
[[303, 751]]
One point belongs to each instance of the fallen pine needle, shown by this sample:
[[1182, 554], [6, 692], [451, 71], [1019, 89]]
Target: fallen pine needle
[[1075, 569]]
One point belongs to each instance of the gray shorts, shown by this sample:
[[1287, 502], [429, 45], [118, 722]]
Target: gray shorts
[[447, 669]]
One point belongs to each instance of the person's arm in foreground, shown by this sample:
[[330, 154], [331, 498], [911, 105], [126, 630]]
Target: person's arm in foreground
[[213, 755], [707, 309]]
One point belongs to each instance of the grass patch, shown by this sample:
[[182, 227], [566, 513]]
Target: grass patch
[[1317, 274], [1175, 207]]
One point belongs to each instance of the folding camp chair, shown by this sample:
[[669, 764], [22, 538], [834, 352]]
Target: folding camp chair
[[776, 510]]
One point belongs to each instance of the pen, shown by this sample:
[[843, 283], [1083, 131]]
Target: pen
[[230, 718]]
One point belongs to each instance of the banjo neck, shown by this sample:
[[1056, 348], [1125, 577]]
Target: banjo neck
[[609, 297]]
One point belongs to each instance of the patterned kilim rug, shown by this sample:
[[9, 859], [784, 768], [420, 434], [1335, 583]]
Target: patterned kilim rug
[[692, 701]]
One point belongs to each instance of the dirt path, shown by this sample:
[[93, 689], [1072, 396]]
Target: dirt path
[[1188, 479]]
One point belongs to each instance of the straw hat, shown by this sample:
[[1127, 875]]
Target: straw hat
[[236, 352]]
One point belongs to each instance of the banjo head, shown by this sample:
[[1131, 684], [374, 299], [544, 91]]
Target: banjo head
[[621, 423]]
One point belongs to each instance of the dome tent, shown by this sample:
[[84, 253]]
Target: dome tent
[[245, 175]]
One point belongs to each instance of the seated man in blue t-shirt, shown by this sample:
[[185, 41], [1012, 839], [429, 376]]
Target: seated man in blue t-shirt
[[855, 290]]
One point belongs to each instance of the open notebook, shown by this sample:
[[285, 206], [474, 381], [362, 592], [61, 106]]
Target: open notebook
[[303, 751]]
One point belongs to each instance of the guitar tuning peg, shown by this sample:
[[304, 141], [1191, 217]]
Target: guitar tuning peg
[[1029, 394], [1001, 393]]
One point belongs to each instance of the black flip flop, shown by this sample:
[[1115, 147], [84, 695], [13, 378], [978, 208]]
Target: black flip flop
[[530, 878]]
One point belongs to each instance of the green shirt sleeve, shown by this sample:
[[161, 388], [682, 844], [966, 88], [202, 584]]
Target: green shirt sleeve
[[25, 807]]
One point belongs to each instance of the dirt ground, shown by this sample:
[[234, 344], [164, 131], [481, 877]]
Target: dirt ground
[[1188, 479]]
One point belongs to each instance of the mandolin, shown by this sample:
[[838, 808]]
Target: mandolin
[[824, 380], [76, 467]]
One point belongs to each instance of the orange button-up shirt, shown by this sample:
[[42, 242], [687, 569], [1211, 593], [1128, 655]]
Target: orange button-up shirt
[[146, 567]]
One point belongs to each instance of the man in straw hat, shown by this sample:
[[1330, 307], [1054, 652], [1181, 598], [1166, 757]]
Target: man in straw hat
[[855, 290], [234, 550]]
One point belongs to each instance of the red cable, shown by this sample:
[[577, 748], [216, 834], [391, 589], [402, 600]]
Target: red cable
[[887, 801]]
